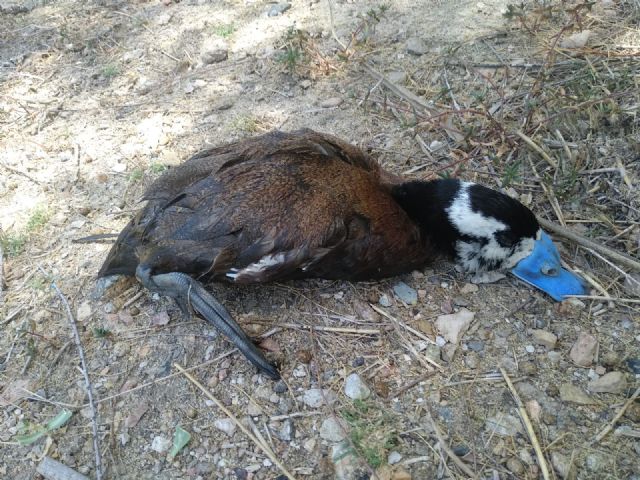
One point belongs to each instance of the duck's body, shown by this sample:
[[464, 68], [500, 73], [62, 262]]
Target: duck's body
[[284, 206], [304, 204]]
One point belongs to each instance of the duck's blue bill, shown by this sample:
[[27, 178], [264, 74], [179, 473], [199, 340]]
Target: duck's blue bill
[[542, 269]]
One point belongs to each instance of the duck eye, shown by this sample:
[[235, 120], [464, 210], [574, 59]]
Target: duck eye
[[505, 239]]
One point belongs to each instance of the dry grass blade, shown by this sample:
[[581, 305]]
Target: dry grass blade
[[409, 329], [605, 431], [450, 453], [260, 444], [538, 149], [619, 257], [402, 92], [542, 461], [85, 374]]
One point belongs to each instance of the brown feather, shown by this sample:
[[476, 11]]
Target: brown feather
[[322, 204]]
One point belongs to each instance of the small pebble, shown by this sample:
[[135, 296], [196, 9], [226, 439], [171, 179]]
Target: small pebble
[[584, 349], [394, 457], [315, 397], [405, 293], [471, 360], [530, 349], [528, 368], [569, 393], [515, 466], [280, 387], [612, 382], [358, 362], [504, 425], [214, 56], [416, 46], [160, 444], [287, 432], [331, 102], [544, 338], [355, 388], [300, 371], [225, 425], [554, 357], [333, 429], [384, 300], [278, 9]]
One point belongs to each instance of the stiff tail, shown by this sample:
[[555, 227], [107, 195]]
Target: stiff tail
[[122, 258]]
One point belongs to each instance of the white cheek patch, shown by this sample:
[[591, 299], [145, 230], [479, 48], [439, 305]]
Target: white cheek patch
[[522, 250], [468, 222]]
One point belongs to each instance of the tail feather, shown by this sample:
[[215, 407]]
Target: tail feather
[[122, 258]]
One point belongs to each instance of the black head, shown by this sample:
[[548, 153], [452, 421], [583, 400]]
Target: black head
[[481, 228]]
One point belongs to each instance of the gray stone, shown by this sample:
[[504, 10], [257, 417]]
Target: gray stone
[[160, 444], [331, 102], [554, 357], [287, 431], [405, 293], [468, 287], [253, 409], [544, 338], [471, 360], [448, 351], [396, 77], [214, 56], [612, 382], [384, 300], [278, 9], [394, 457], [416, 46], [505, 425], [432, 352], [569, 393], [333, 429], [355, 388], [584, 349], [315, 397], [561, 463], [225, 425], [476, 345], [515, 466]]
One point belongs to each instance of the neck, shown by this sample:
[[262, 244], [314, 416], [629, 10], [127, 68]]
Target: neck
[[426, 203]]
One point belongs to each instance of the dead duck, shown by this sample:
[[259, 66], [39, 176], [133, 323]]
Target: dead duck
[[306, 204]]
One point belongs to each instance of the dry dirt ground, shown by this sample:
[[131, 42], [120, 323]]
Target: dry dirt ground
[[97, 98]]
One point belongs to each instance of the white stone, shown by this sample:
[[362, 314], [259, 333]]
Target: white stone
[[355, 388], [226, 425], [160, 444]]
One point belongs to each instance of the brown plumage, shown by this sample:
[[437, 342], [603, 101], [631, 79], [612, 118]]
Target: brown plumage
[[321, 204]]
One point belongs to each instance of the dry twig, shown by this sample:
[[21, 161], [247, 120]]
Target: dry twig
[[260, 444], [85, 374], [527, 423], [443, 444], [619, 257]]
